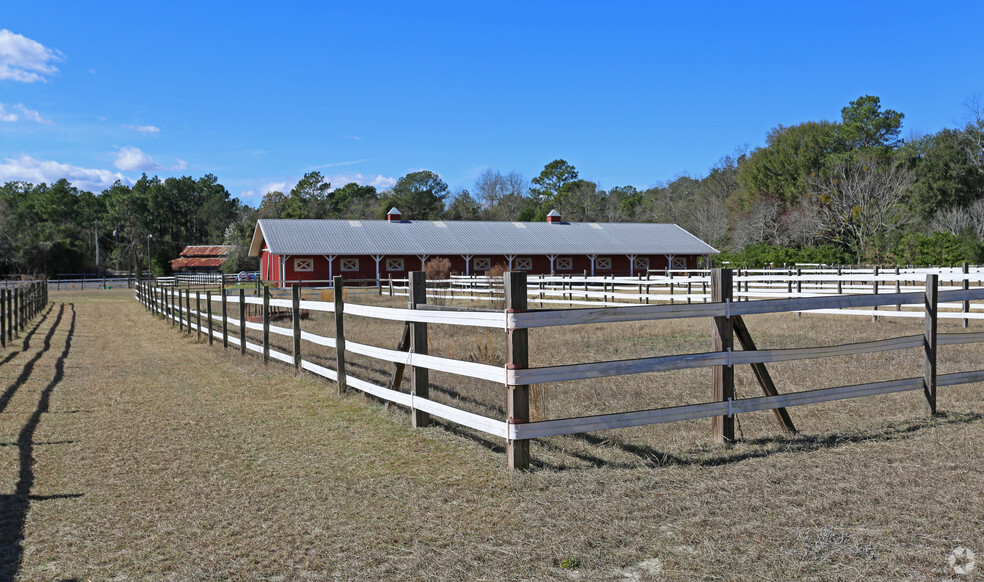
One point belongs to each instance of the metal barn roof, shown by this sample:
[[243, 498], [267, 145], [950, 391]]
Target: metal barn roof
[[448, 237]]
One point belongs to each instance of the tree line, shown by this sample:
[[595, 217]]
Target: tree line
[[836, 192]]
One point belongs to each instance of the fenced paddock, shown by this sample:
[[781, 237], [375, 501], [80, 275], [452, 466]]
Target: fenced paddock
[[490, 377], [20, 301]]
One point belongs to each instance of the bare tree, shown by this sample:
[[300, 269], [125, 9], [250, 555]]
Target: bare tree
[[861, 199], [501, 196], [759, 225], [952, 220]]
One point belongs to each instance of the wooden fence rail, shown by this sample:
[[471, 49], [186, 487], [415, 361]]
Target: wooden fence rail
[[19, 303], [726, 311]]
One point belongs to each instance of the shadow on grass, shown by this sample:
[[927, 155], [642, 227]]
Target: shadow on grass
[[30, 334], [14, 507], [763, 446]]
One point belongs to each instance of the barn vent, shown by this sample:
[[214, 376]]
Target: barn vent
[[554, 216], [394, 215]]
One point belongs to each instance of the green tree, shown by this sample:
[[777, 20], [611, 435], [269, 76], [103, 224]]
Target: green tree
[[310, 198], [548, 184], [946, 174], [464, 207], [355, 201], [418, 196], [865, 126]]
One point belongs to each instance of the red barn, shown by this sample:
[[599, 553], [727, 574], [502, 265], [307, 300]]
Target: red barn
[[201, 259], [317, 250]]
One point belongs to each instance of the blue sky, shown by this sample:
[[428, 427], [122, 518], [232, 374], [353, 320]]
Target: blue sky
[[630, 93]]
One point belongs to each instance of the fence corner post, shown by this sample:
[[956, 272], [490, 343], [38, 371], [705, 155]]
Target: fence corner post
[[418, 345], [266, 325], [295, 309], [339, 296], [517, 358], [929, 344], [722, 340]]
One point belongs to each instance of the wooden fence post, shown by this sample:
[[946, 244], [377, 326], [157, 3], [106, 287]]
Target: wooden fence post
[[295, 305], [965, 285], [723, 338], [898, 287], [10, 315], [3, 318], [339, 296], [242, 322], [225, 320], [929, 344], [418, 345], [198, 314], [188, 307], [17, 312], [266, 325], [208, 311], [874, 291], [517, 358]]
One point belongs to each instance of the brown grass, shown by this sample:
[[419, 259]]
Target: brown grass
[[160, 459]]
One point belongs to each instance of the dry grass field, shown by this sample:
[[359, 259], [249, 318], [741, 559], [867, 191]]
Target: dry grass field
[[133, 452]]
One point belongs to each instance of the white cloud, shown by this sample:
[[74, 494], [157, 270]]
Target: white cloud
[[179, 166], [27, 114], [130, 159], [36, 171], [25, 60], [148, 129], [278, 187]]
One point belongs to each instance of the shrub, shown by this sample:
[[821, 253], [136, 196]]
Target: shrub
[[438, 268]]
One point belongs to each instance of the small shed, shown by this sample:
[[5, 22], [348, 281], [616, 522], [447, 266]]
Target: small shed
[[201, 259]]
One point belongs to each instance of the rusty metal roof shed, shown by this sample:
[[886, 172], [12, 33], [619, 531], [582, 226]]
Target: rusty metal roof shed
[[446, 237]]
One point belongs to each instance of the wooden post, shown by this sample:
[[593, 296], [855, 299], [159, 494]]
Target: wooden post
[[266, 325], [840, 282], [180, 311], [3, 318], [295, 309], [17, 312], [799, 287], [188, 306], [762, 373], [10, 315], [874, 290], [337, 286], [225, 320], [929, 344], [198, 314], [517, 358], [208, 311], [418, 345], [242, 321], [723, 377], [898, 287], [965, 285]]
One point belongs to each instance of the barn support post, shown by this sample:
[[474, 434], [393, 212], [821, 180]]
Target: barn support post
[[929, 344], [295, 310], [723, 378], [418, 345], [517, 358], [208, 311], [337, 285], [242, 321], [266, 325], [225, 320]]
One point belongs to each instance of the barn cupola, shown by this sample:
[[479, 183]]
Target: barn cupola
[[394, 215], [554, 216]]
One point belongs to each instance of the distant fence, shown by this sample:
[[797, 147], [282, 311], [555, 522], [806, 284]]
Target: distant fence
[[19, 302], [184, 308]]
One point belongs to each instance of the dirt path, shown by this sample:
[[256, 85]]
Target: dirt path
[[130, 452]]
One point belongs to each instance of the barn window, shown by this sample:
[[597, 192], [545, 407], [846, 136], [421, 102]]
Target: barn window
[[603, 263], [394, 264], [524, 263], [640, 263], [564, 264], [482, 264], [678, 263], [303, 264], [350, 264]]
